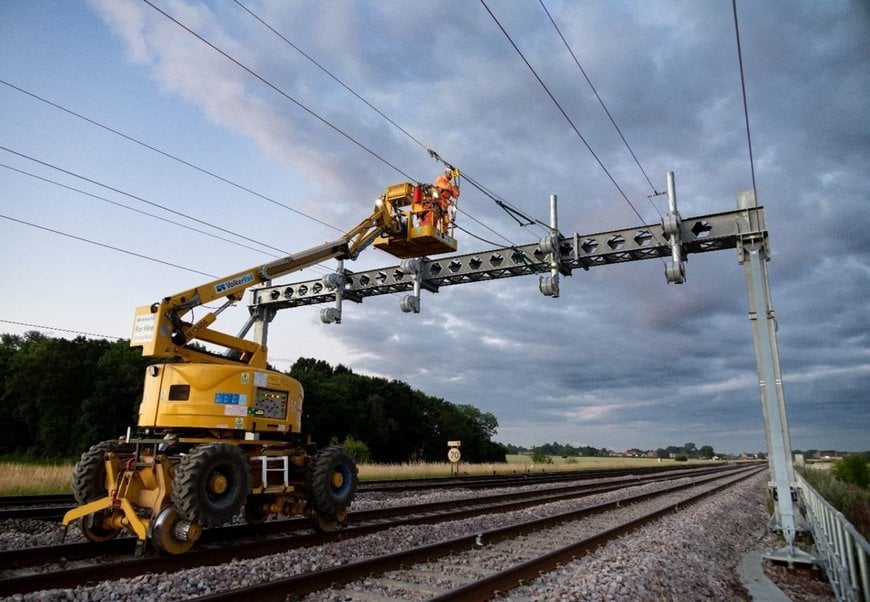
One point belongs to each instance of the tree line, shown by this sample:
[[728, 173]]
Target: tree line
[[565, 450], [60, 396]]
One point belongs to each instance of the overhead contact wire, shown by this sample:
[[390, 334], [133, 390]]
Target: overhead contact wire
[[330, 74], [138, 198], [165, 154], [134, 210], [745, 104], [392, 122], [561, 110], [44, 327], [601, 102], [308, 110], [105, 246]]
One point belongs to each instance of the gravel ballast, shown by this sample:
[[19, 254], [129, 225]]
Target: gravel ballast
[[692, 555]]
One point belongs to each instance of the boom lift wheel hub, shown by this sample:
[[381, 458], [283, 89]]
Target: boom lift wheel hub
[[94, 529], [172, 534], [337, 479], [217, 483]]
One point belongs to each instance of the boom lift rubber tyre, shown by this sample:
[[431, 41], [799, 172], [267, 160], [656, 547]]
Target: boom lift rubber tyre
[[89, 476], [330, 481], [93, 529], [255, 512], [211, 484], [328, 524], [89, 484]]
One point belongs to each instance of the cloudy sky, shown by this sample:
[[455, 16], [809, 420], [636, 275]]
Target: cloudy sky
[[246, 163]]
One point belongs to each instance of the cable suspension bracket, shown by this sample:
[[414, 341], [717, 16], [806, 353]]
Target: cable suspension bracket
[[550, 244], [675, 272], [334, 281]]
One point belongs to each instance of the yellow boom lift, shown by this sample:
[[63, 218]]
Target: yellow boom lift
[[218, 434]]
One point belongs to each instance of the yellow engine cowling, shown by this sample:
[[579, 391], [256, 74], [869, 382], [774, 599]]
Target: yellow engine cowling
[[220, 397]]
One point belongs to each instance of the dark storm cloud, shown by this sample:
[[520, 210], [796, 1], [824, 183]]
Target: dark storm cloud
[[621, 358]]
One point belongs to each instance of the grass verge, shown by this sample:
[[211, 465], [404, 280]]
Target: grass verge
[[18, 478], [851, 500]]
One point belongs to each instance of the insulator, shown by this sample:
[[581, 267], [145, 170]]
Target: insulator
[[411, 265], [671, 224], [331, 281], [550, 244], [410, 304], [549, 286], [675, 272], [330, 315]]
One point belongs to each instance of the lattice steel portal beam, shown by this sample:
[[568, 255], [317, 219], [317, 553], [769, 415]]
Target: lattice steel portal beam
[[702, 234]]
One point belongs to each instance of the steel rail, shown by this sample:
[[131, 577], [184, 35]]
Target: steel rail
[[371, 521], [298, 585], [513, 577], [26, 557], [18, 507]]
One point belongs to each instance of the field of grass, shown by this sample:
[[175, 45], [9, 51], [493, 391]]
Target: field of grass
[[515, 464], [34, 479]]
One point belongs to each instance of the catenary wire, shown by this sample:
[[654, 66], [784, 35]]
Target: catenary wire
[[166, 154], [745, 104], [134, 210], [319, 268], [138, 198], [44, 327], [208, 172], [561, 110], [179, 160], [105, 246], [330, 74], [601, 102], [499, 201], [279, 90]]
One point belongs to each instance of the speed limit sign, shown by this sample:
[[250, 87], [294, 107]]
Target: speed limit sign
[[453, 454]]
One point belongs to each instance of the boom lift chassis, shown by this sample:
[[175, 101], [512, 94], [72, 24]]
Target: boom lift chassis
[[219, 434], [673, 240]]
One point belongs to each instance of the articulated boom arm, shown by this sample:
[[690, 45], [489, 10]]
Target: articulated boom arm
[[161, 330]]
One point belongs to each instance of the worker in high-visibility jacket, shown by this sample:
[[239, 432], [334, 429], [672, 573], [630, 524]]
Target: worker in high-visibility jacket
[[446, 191]]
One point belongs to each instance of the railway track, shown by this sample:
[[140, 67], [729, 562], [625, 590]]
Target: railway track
[[53, 507], [483, 565], [279, 536]]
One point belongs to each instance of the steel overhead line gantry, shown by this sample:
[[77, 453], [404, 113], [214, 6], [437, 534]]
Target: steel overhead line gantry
[[556, 255], [552, 256]]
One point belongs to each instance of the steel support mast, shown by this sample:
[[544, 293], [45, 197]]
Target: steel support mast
[[753, 253]]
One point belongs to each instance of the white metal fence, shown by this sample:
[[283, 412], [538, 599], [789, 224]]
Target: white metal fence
[[839, 547]]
